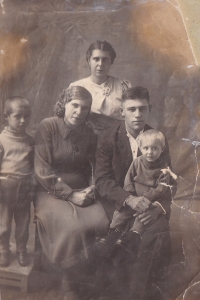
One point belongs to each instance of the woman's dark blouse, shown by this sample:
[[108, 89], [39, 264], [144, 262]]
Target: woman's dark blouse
[[64, 157]]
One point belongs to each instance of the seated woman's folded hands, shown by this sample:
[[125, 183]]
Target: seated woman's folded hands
[[82, 198]]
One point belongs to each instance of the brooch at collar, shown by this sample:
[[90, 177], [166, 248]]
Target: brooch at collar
[[106, 90]]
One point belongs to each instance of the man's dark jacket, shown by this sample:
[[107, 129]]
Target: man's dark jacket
[[113, 159]]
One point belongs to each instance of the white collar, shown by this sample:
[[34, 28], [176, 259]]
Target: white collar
[[132, 137]]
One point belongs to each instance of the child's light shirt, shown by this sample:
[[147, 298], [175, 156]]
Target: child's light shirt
[[16, 153]]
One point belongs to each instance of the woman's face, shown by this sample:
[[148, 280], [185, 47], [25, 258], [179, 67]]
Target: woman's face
[[100, 63], [76, 111]]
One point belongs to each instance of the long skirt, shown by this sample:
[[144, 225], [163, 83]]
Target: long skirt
[[66, 231]]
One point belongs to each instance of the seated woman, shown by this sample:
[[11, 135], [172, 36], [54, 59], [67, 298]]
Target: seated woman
[[106, 90], [69, 219]]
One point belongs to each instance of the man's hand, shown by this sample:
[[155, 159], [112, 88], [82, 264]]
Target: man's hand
[[150, 216], [139, 204]]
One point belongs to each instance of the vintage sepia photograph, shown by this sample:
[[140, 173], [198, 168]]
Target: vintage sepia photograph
[[99, 150]]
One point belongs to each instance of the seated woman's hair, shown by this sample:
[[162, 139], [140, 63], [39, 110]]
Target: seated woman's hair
[[67, 95], [19, 101], [154, 135], [104, 46], [136, 92]]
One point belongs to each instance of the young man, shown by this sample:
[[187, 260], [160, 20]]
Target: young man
[[115, 152]]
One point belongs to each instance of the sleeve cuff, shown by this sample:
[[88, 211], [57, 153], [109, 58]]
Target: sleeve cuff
[[163, 210], [136, 232], [61, 190]]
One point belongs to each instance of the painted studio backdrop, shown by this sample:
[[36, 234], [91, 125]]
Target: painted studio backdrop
[[42, 50]]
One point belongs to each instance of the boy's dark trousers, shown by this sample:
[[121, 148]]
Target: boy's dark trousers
[[14, 202]]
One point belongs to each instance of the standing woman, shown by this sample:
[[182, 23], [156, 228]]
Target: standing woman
[[106, 90], [69, 219]]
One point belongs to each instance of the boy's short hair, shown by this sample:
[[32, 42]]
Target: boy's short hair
[[16, 99], [136, 92], [154, 134]]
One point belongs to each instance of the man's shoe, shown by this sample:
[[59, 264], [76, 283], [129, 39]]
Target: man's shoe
[[129, 241], [22, 259], [103, 247], [4, 259], [125, 250], [106, 245]]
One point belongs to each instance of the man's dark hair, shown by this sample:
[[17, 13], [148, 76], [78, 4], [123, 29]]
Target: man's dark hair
[[137, 92]]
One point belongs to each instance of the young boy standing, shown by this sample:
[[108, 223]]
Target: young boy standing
[[16, 179]]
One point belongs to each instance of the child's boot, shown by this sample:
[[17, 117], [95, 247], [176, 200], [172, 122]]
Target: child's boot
[[23, 258], [4, 259]]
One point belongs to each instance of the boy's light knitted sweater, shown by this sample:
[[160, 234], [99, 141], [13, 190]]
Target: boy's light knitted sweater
[[16, 153]]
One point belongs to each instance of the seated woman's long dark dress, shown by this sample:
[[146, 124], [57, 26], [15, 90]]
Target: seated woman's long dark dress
[[63, 162]]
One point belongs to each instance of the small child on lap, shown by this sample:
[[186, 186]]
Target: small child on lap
[[146, 178], [17, 183]]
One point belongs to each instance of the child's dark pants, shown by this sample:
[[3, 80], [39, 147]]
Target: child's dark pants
[[14, 202]]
